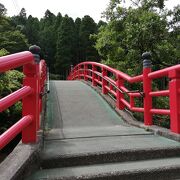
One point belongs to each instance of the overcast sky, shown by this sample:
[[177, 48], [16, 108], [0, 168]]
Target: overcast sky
[[74, 8]]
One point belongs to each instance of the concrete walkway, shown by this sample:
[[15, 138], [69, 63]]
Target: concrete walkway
[[84, 131]]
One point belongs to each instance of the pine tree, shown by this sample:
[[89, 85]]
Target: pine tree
[[65, 49], [47, 38], [77, 47], [88, 27], [32, 30]]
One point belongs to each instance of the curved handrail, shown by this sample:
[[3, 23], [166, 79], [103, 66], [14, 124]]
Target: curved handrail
[[115, 71], [15, 60], [98, 74]]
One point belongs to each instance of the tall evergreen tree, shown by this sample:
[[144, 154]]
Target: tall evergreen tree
[[58, 21], [32, 30], [56, 26], [65, 49], [20, 20], [88, 27], [47, 38], [77, 47], [49, 18]]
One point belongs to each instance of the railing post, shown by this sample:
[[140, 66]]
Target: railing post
[[147, 86], [119, 83], [174, 98], [71, 68], [79, 71], [85, 72], [43, 79], [94, 75], [71, 72], [31, 102], [75, 73], [104, 82]]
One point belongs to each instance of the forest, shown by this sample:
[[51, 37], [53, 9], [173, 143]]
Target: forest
[[119, 42]]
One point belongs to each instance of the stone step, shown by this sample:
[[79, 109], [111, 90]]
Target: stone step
[[156, 169], [97, 150], [94, 131]]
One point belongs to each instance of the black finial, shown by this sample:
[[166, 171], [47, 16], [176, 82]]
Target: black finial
[[35, 50], [146, 55], [146, 59]]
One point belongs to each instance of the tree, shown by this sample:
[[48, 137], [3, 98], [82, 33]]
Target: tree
[[2, 10], [65, 45], [20, 20], [174, 34], [11, 40], [88, 27], [101, 23], [77, 57], [3, 52], [32, 30], [132, 31], [49, 18], [47, 38], [58, 21]]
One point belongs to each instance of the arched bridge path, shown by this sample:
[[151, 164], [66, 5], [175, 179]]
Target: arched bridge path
[[86, 138]]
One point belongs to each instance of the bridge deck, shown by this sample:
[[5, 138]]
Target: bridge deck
[[83, 129], [73, 104], [75, 110]]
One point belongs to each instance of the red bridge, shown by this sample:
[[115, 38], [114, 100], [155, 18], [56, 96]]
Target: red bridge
[[81, 136]]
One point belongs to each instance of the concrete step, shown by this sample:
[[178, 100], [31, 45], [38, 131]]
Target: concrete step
[[156, 169], [94, 131], [97, 150]]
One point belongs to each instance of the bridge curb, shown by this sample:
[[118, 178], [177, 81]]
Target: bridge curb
[[22, 161], [130, 119]]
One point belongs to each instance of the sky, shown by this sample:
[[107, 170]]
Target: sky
[[74, 8]]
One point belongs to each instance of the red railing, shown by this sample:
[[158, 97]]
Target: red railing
[[113, 81], [33, 86]]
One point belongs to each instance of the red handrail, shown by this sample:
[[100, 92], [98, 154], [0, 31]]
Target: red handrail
[[114, 84], [15, 60], [33, 85], [14, 97], [14, 130]]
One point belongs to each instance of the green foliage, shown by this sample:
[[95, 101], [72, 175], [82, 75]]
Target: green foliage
[[51, 36], [32, 30], [13, 41], [77, 57], [101, 23], [65, 45], [132, 31], [10, 82], [3, 52], [47, 36], [2, 10], [87, 27], [54, 76]]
